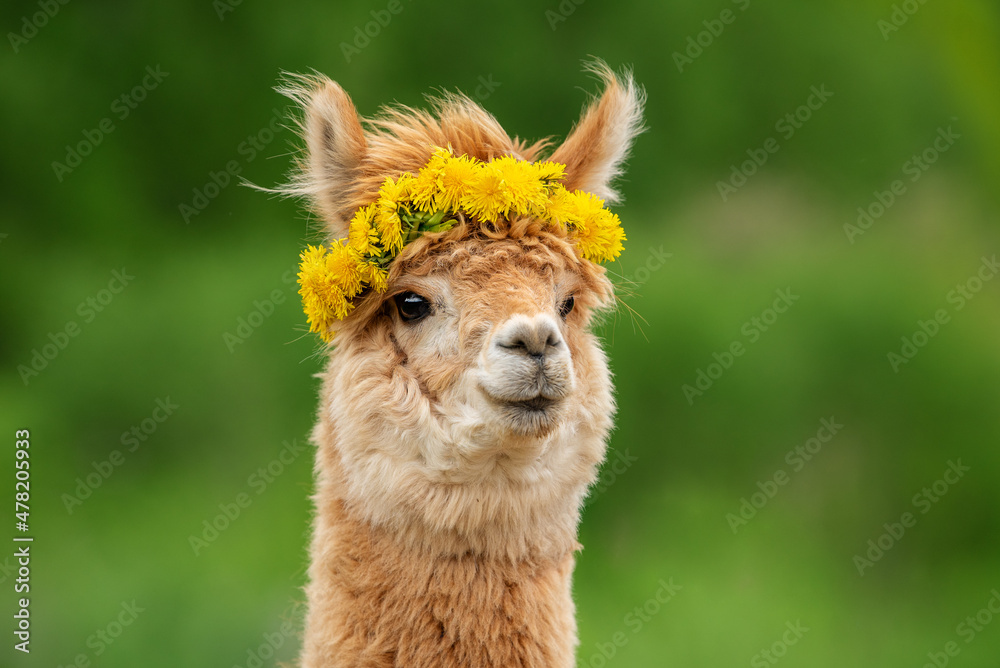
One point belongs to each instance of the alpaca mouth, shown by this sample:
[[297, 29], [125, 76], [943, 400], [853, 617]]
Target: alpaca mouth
[[536, 415], [537, 404]]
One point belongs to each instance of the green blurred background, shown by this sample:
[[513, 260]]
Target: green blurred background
[[697, 269]]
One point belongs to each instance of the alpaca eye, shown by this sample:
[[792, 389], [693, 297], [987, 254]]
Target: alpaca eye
[[566, 306], [411, 306]]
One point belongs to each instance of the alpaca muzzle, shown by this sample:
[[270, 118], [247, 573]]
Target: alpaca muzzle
[[528, 368]]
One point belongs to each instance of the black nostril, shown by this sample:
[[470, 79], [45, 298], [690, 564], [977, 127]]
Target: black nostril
[[522, 346], [535, 341], [515, 344]]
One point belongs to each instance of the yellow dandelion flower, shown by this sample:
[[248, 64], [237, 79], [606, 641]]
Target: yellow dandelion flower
[[375, 276], [588, 205], [597, 232], [485, 197], [612, 235], [586, 240], [599, 236], [396, 190], [561, 206], [328, 281], [456, 174], [427, 183], [550, 171], [524, 192], [392, 194], [390, 230], [361, 235]]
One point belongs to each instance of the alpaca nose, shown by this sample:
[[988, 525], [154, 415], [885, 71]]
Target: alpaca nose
[[534, 337]]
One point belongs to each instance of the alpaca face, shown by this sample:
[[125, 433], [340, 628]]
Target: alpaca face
[[492, 334], [475, 394]]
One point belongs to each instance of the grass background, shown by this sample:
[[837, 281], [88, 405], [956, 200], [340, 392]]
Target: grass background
[[162, 337]]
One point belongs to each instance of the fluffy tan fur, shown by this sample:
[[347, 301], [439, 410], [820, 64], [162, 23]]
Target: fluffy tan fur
[[454, 452]]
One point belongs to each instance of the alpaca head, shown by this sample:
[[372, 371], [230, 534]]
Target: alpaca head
[[466, 406]]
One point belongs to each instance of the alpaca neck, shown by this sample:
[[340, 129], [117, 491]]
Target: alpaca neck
[[377, 600], [406, 573]]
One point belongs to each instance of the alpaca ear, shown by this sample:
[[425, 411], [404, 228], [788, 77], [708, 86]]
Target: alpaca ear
[[335, 146], [599, 143]]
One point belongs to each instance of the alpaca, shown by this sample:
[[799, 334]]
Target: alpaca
[[465, 404]]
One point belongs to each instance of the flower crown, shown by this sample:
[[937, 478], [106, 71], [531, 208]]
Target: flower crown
[[446, 189]]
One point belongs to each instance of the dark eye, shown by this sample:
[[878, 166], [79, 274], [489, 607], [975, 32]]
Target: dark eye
[[411, 306], [566, 306]]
